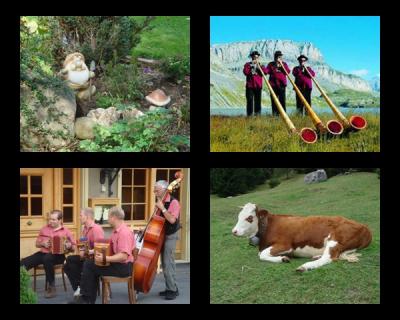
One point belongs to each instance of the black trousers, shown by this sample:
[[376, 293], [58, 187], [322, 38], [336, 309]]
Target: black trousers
[[73, 269], [47, 259], [299, 104], [253, 98], [91, 273], [281, 94]]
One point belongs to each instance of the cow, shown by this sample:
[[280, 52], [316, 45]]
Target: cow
[[322, 238]]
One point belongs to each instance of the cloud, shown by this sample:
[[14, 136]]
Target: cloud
[[361, 72]]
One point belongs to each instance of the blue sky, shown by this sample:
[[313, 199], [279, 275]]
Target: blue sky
[[348, 44]]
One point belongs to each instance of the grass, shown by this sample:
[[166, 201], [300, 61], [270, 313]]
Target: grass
[[237, 274], [269, 134], [169, 37]]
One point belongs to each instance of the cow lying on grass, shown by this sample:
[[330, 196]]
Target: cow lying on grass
[[322, 238]]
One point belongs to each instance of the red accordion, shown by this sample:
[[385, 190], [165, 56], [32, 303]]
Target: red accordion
[[58, 244]]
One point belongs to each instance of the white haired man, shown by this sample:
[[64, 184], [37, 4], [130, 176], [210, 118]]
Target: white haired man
[[170, 210]]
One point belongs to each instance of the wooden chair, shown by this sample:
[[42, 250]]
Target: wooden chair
[[107, 280], [40, 267]]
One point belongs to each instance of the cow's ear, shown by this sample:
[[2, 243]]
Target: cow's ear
[[262, 213], [257, 209]]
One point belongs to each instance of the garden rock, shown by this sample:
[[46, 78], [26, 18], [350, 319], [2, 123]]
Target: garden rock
[[84, 128], [315, 176], [50, 125], [104, 117], [132, 114]]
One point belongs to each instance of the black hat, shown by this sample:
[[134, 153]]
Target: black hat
[[254, 53], [278, 53], [302, 57]]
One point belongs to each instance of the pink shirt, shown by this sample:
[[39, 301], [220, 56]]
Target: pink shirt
[[94, 232], [48, 232], [277, 77], [122, 240], [253, 81], [174, 207], [303, 79]]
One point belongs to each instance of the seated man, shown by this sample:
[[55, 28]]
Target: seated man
[[122, 244], [74, 264], [44, 256]]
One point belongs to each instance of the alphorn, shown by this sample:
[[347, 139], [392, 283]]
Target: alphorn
[[356, 122], [308, 135], [333, 127]]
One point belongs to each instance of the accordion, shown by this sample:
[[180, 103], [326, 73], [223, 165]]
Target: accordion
[[58, 244], [103, 247], [83, 245]]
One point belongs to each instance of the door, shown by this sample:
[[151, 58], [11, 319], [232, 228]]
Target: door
[[36, 200]]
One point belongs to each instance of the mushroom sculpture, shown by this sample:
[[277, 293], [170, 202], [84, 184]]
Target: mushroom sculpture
[[158, 98]]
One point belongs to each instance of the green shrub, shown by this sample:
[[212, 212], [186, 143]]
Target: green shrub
[[122, 82], [176, 67], [36, 74], [107, 101], [99, 38], [154, 132], [232, 181], [274, 182], [26, 294]]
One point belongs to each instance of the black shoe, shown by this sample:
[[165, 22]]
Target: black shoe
[[171, 295], [164, 293]]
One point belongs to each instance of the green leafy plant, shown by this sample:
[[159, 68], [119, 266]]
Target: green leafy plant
[[154, 132], [122, 82], [26, 294], [176, 67]]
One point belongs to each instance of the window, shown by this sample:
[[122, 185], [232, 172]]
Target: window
[[68, 194], [31, 197], [134, 193]]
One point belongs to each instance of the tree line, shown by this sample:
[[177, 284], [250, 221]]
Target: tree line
[[233, 181]]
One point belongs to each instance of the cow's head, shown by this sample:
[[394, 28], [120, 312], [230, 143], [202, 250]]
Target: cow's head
[[247, 225]]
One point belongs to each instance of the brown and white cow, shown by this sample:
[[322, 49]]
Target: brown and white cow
[[323, 238]]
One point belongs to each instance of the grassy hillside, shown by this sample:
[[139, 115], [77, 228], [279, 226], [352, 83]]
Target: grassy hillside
[[237, 274], [169, 37], [269, 134]]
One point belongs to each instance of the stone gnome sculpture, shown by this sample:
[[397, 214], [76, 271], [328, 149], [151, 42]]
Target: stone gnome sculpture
[[78, 76]]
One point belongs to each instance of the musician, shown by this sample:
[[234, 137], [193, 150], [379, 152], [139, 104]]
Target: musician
[[74, 264], [303, 82], [55, 227], [170, 210], [254, 82], [278, 80], [122, 244]]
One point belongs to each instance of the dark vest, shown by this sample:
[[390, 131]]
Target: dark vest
[[171, 228]]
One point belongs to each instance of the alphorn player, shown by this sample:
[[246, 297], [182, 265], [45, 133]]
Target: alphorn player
[[277, 80], [55, 227], [254, 83], [74, 264], [122, 244], [303, 82], [170, 210]]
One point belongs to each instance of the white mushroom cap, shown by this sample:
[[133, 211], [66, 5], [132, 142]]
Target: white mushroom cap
[[158, 98]]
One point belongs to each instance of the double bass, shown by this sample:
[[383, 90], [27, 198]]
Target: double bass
[[153, 240]]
